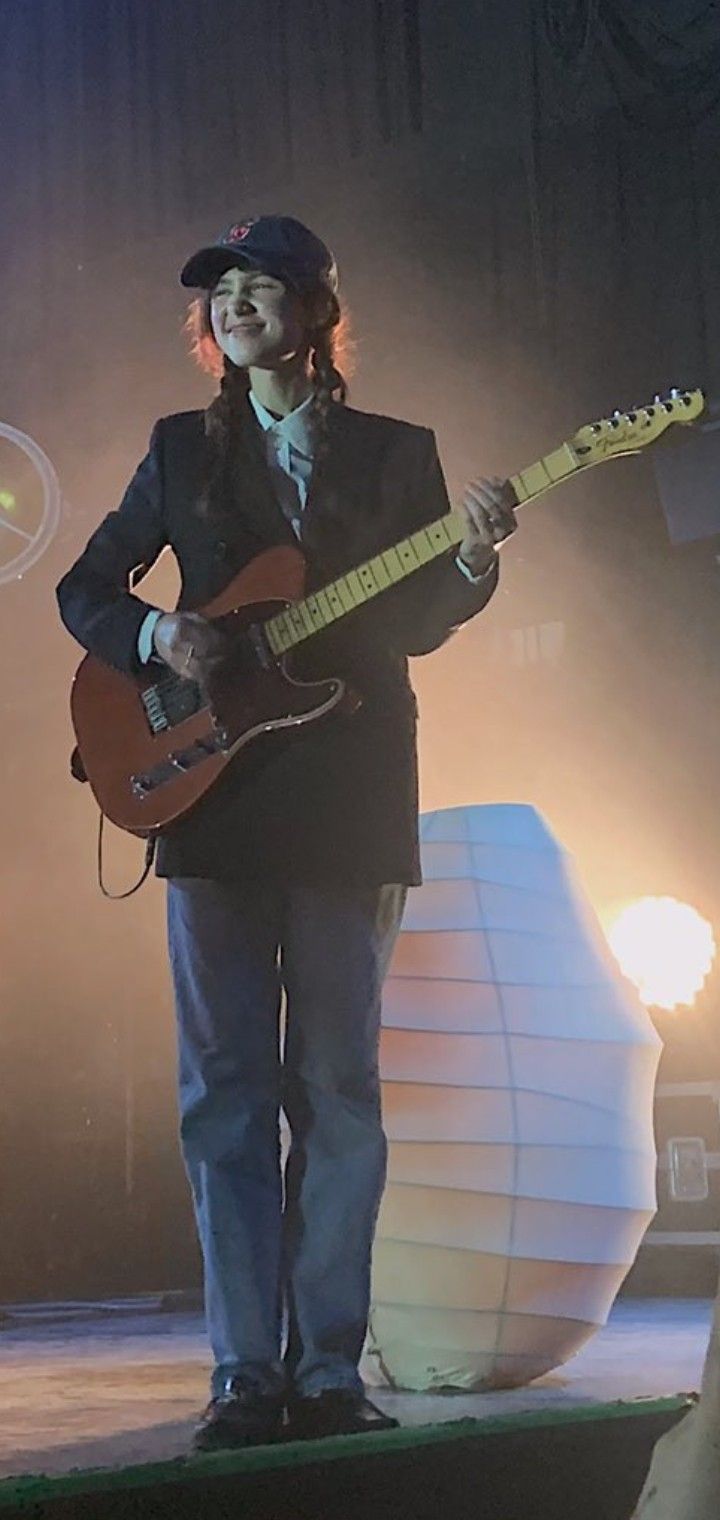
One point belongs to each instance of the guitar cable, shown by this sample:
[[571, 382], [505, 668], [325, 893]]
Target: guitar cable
[[150, 847]]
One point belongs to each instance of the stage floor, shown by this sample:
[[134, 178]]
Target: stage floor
[[116, 1385]]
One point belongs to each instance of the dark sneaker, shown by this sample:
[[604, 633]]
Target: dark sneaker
[[334, 1412], [241, 1416]]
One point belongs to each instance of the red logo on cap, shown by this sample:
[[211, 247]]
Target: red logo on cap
[[236, 234]]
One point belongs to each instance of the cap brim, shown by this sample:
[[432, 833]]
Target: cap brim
[[204, 269]]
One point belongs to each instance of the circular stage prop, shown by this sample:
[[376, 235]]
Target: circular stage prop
[[518, 1068], [30, 502]]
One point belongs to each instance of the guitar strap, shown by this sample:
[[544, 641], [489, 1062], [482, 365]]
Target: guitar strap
[[77, 769]]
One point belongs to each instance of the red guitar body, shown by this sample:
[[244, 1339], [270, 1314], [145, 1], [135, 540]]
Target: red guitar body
[[153, 744]]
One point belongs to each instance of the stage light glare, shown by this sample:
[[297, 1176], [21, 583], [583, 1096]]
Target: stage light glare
[[665, 947], [8, 501]]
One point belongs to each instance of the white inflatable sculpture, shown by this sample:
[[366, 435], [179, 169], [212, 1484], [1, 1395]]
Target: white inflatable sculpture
[[518, 1068]]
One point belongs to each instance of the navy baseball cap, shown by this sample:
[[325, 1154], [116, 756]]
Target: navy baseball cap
[[279, 245]]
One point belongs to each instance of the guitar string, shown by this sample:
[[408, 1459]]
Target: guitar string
[[359, 585]]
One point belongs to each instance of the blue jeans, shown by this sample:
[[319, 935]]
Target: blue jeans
[[295, 1259]]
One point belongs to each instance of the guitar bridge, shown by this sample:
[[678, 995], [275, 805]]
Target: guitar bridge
[[170, 701]]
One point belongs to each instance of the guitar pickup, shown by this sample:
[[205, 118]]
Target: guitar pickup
[[177, 763], [259, 642]]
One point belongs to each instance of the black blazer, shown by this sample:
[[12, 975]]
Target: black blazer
[[337, 801]]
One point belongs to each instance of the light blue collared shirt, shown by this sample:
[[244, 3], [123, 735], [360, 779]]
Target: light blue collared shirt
[[289, 453]]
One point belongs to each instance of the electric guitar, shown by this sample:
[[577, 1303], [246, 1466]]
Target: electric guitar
[[152, 745]]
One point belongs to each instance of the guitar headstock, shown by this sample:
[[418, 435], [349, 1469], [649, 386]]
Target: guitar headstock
[[626, 432]]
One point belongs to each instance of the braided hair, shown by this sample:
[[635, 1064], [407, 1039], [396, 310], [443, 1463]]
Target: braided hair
[[329, 344]]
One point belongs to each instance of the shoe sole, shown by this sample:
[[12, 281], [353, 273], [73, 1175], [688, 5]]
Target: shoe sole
[[290, 1434], [231, 1442]]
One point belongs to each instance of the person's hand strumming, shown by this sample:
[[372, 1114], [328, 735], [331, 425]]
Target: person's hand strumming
[[189, 644]]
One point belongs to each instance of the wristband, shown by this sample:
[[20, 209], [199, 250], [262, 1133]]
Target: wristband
[[467, 572]]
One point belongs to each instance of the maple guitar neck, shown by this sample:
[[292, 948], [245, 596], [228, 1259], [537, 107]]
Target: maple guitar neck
[[316, 612]]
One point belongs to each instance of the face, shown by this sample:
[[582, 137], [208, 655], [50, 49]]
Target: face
[[256, 320]]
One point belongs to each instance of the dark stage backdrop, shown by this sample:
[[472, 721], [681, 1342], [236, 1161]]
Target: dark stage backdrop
[[524, 200]]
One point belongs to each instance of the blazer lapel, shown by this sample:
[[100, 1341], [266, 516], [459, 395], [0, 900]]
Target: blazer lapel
[[328, 518]]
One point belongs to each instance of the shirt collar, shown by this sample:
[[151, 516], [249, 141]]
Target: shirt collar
[[295, 428]]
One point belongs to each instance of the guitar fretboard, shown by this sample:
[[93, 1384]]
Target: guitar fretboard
[[323, 607]]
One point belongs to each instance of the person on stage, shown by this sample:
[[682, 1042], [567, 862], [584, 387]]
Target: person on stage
[[291, 874]]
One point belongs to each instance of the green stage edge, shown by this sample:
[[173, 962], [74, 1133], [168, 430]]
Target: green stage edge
[[28, 1491]]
